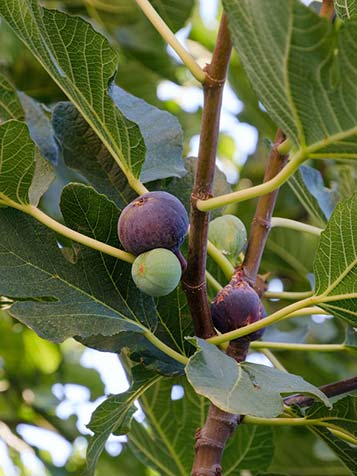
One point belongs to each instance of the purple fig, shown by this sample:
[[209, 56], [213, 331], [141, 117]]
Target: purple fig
[[237, 305], [153, 220]]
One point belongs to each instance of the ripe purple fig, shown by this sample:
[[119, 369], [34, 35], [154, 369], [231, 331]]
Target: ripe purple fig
[[237, 305], [153, 220]]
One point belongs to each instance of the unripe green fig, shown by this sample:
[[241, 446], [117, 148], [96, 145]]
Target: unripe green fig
[[156, 272], [229, 235]]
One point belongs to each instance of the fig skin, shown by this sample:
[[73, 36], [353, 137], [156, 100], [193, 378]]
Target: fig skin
[[153, 220], [228, 234], [237, 305], [156, 272]]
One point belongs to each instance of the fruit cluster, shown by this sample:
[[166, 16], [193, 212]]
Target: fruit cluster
[[152, 227]]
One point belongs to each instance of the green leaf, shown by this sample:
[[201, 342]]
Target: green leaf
[[251, 448], [40, 127], [174, 12], [303, 71], [244, 388], [346, 452], [162, 135], [345, 9], [58, 299], [82, 63], [169, 449], [17, 161], [10, 106], [309, 188], [84, 152], [342, 416], [114, 415], [335, 265]]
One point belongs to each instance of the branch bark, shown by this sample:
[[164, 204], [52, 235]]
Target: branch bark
[[261, 223], [194, 281]]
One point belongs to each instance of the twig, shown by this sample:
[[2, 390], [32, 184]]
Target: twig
[[262, 219], [194, 277], [327, 9]]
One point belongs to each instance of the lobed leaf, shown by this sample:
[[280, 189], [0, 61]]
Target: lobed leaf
[[303, 70], [83, 64]]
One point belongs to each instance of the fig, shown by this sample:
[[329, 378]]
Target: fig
[[153, 220], [236, 306], [156, 272], [229, 235]]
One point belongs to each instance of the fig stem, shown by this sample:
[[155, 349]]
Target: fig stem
[[303, 347], [213, 282], [69, 233], [295, 225], [220, 259], [294, 296], [275, 317], [258, 190], [162, 28]]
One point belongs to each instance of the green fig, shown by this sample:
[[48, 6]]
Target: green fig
[[229, 235], [156, 272]]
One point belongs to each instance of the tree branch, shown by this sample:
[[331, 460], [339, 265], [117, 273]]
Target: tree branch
[[194, 281], [330, 390], [262, 219], [327, 9]]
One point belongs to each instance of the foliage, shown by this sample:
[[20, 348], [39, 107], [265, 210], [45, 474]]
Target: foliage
[[79, 105]]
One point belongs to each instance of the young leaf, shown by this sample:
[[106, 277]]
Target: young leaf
[[17, 162], [309, 188], [244, 388], [114, 415], [345, 9], [335, 265], [82, 63], [303, 71], [10, 106]]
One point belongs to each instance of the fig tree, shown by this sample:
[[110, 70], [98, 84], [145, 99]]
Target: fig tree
[[153, 220], [156, 272], [229, 235], [237, 305]]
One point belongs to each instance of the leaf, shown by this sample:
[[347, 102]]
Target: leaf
[[17, 164], [174, 12], [10, 106], [40, 127], [318, 201], [58, 299], [251, 448], [346, 452], [84, 152], [335, 265], [162, 135], [244, 388], [42, 178], [82, 63], [345, 9], [343, 415], [166, 441], [114, 415], [302, 70]]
